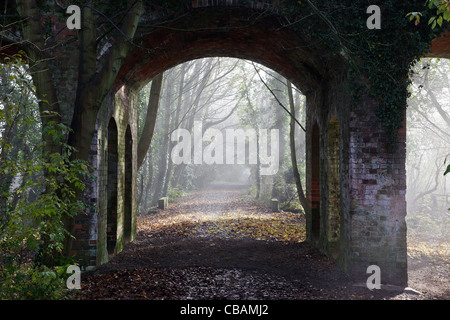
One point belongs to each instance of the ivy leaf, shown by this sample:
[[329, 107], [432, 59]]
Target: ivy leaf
[[447, 15], [448, 170]]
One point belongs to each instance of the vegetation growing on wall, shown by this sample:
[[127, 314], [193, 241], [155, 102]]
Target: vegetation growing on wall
[[380, 59]]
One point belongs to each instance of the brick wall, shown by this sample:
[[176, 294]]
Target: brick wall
[[378, 205], [91, 248], [372, 183], [362, 208], [120, 107]]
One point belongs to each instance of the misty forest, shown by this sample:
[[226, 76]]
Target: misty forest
[[220, 191]]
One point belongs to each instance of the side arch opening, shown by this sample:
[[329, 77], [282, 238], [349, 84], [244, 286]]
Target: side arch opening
[[128, 185], [113, 157]]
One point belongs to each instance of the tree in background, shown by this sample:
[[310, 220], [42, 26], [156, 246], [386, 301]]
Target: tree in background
[[428, 146], [33, 202], [221, 93]]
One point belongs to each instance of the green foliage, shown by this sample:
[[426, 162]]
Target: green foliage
[[175, 193], [388, 59], [33, 282], [380, 59], [25, 224], [442, 13], [41, 191]]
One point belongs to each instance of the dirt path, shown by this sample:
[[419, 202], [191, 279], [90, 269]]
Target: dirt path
[[217, 245]]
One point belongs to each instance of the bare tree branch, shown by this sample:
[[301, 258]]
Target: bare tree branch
[[276, 98]]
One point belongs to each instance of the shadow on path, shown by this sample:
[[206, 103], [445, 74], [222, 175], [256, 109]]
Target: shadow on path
[[292, 270]]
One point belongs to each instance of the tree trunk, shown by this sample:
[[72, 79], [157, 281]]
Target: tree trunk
[[298, 183], [150, 119], [149, 181], [188, 121], [143, 176], [168, 178], [280, 117], [258, 168], [38, 54], [162, 164], [93, 87]]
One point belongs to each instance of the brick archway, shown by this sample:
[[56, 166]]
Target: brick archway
[[324, 81], [372, 227], [197, 35]]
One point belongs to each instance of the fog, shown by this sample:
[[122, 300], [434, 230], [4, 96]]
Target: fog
[[230, 94], [428, 151], [215, 117]]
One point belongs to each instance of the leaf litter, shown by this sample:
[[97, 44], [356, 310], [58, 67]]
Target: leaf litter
[[224, 216]]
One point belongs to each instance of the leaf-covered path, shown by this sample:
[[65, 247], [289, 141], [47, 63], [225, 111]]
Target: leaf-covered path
[[217, 244]]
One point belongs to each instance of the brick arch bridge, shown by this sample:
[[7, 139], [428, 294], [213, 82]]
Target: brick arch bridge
[[356, 188]]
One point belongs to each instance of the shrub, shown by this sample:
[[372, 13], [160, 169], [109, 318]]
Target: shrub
[[38, 190]]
